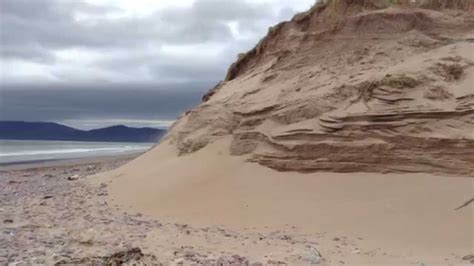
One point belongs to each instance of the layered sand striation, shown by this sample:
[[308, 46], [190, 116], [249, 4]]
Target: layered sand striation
[[396, 82]]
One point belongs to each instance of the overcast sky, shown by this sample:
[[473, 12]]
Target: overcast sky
[[171, 45]]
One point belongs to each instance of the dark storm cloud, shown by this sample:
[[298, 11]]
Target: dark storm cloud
[[127, 101]]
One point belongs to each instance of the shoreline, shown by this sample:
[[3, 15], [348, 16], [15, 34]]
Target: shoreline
[[25, 165]]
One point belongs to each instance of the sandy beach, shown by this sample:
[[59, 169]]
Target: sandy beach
[[57, 213], [48, 210], [70, 212], [51, 214]]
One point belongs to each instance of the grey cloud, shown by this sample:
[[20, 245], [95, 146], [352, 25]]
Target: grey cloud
[[192, 71], [50, 24], [162, 84], [88, 101], [29, 52], [59, 30], [34, 30], [216, 10]]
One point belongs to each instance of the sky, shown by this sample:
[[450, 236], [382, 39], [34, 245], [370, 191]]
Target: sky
[[79, 62]]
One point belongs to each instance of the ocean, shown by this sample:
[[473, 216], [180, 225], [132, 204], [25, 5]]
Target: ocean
[[20, 151]]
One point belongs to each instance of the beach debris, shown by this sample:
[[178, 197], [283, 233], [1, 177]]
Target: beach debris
[[47, 197], [276, 262], [8, 221], [131, 256], [178, 261], [356, 251], [465, 204], [73, 177], [313, 256], [187, 254]]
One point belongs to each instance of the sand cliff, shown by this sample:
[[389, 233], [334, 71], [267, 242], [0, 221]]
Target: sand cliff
[[395, 83]]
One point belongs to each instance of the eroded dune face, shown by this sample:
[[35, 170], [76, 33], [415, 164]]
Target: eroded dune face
[[349, 86]]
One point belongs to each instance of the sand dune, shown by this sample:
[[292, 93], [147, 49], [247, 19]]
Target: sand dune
[[396, 83], [353, 119]]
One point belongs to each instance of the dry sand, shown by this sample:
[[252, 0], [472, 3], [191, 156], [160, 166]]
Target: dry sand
[[394, 219]]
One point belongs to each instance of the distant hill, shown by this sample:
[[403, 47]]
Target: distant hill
[[19, 130]]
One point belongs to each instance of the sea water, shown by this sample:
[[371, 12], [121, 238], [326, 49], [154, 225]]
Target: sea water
[[18, 151]]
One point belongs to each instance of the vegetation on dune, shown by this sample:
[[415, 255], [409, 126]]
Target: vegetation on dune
[[336, 5]]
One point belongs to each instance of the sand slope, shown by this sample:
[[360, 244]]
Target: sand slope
[[353, 119], [409, 217]]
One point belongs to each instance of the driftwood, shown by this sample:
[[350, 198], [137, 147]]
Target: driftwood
[[465, 204]]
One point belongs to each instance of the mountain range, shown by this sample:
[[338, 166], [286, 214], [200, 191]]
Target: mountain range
[[21, 130]]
